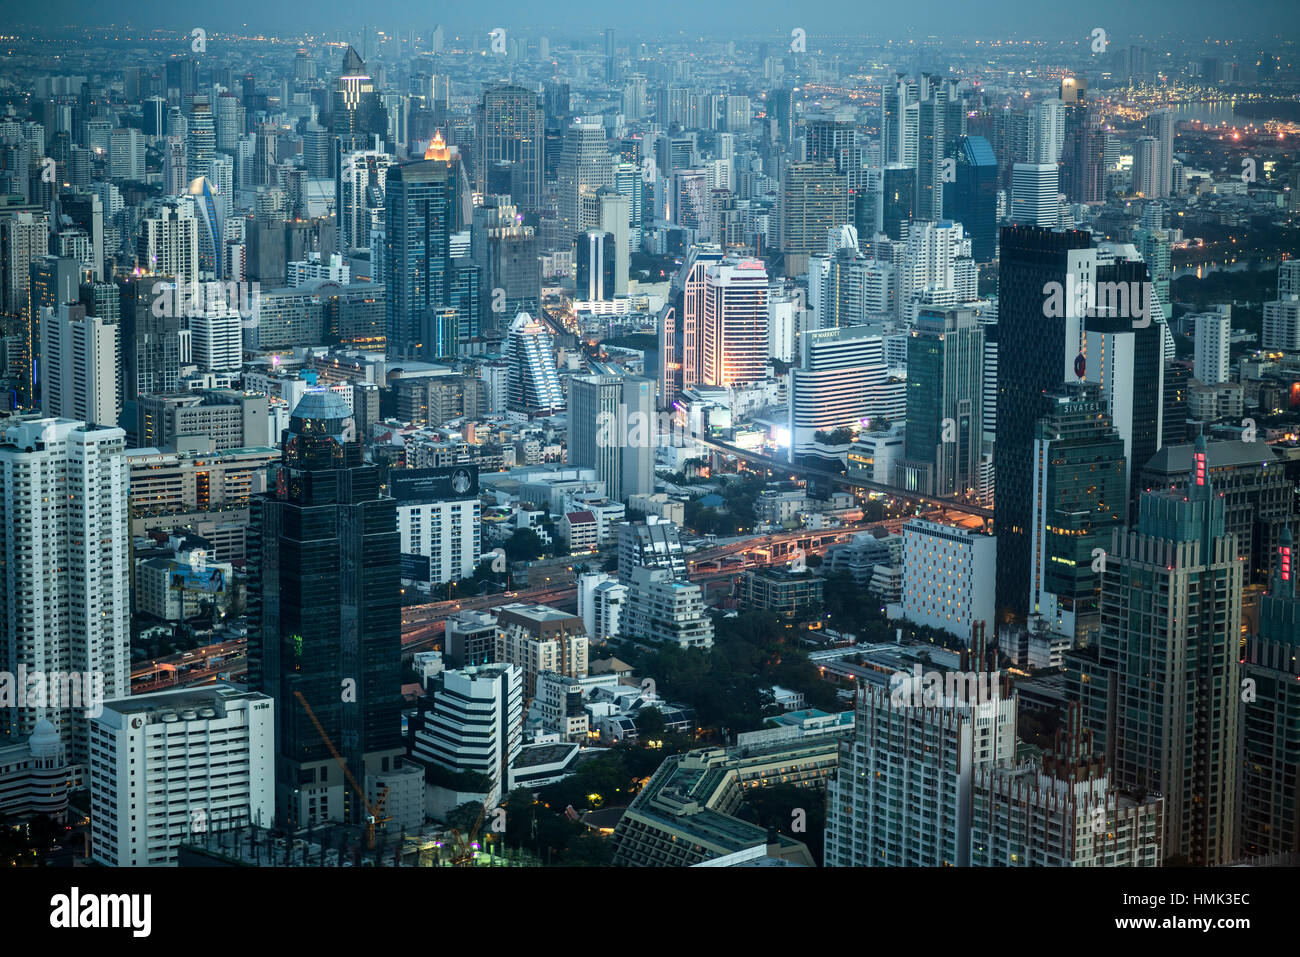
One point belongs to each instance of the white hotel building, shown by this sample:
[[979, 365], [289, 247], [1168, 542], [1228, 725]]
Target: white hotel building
[[167, 767], [735, 343], [948, 577]]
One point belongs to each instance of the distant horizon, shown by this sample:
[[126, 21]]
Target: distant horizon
[[1278, 20]]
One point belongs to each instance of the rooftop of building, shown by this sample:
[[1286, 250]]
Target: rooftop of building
[[185, 699], [1219, 453], [321, 404], [536, 755]]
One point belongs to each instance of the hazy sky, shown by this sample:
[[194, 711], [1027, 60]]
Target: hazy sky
[[1219, 19]]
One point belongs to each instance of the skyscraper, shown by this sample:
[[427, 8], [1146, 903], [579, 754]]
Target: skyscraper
[[1037, 352], [154, 342], [595, 266], [612, 428], [1035, 194], [422, 211], [55, 281], [355, 106], [1160, 125], [734, 340], [169, 243], [972, 197], [1211, 334], [1080, 496], [682, 324], [833, 385], [1167, 665], [323, 584], [212, 221], [1063, 812], [902, 794], [533, 387], [611, 62], [360, 182], [814, 198], [1146, 167], [897, 199], [945, 395], [1270, 714], [511, 128], [200, 136], [65, 596], [81, 366], [585, 166], [1127, 361], [506, 253]]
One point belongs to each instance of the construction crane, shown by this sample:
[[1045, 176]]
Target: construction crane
[[373, 812]]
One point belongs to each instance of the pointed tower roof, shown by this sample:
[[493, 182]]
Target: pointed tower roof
[[353, 65]]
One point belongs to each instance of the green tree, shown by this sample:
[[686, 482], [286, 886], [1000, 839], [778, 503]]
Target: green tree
[[525, 545], [463, 816]]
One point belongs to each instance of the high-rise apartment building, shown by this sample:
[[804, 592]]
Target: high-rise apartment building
[[169, 243], [653, 543], [538, 638], [1062, 812], [814, 198], [1270, 714], [1211, 334], [65, 584], [81, 356], [902, 795]]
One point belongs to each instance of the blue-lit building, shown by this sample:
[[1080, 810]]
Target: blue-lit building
[[972, 199]]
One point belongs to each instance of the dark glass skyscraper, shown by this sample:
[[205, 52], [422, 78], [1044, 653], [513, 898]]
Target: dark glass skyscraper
[[1080, 497], [325, 603], [1036, 355], [972, 197], [355, 106], [421, 207], [898, 193]]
